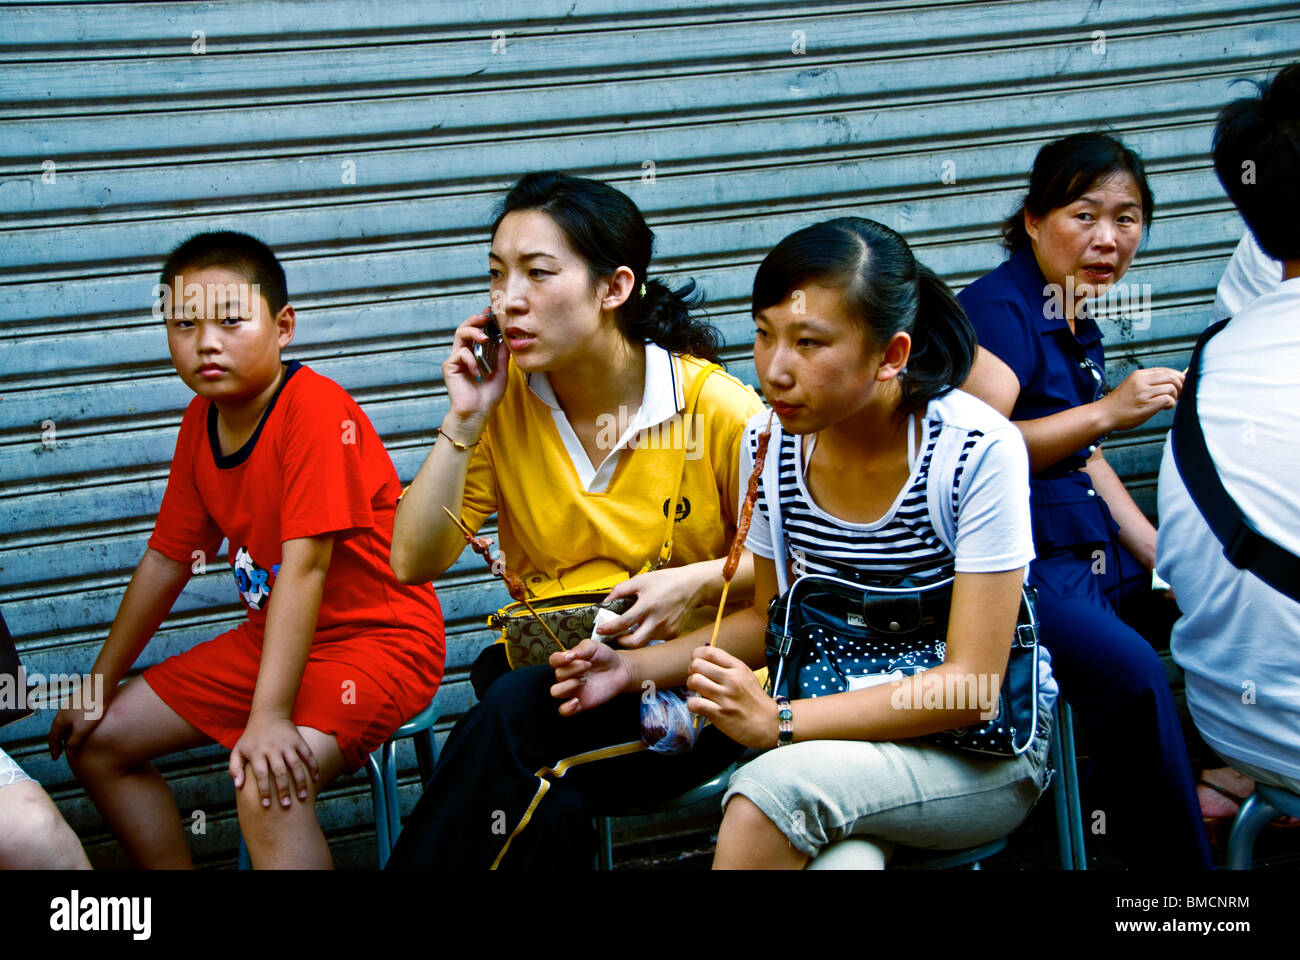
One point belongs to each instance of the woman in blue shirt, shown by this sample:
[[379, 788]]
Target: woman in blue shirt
[[1041, 364]]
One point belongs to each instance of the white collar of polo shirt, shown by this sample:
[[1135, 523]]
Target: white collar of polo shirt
[[661, 399]]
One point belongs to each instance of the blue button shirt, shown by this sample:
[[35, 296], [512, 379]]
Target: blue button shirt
[[1017, 320]]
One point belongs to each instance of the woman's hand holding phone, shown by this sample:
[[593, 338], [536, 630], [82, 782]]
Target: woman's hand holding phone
[[472, 392]]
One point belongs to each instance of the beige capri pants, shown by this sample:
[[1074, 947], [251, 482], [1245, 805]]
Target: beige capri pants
[[909, 792]]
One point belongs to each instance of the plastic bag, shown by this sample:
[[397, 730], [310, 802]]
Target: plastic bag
[[666, 725]]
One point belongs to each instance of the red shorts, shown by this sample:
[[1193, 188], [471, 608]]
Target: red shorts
[[358, 689]]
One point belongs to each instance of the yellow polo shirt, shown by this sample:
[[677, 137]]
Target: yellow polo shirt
[[565, 523]]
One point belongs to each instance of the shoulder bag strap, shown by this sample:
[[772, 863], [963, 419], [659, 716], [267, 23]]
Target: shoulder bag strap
[[1243, 545], [688, 423]]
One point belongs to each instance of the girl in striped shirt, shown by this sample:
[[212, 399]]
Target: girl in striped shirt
[[885, 469]]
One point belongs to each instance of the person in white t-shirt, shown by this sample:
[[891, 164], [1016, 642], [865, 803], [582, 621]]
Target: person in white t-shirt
[[859, 348], [1250, 273], [1238, 640]]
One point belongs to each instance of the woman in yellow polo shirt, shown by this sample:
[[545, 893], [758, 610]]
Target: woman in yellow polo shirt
[[570, 441]]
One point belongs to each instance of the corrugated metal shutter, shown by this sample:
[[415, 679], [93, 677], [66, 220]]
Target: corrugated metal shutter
[[368, 143]]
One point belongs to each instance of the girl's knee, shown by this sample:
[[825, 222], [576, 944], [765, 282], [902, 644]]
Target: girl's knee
[[1140, 674], [522, 689], [112, 746], [742, 814], [32, 826], [516, 698]]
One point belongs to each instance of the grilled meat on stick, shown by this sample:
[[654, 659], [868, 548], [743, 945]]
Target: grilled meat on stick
[[742, 530]]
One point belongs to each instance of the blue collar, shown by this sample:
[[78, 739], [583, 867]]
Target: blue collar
[[1029, 278]]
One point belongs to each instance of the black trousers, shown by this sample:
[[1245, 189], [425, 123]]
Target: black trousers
[[485, 779]]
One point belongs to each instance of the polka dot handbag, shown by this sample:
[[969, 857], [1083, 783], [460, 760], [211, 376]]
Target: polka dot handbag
[[827, 635]]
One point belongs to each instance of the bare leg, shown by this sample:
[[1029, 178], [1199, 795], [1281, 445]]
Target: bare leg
[[33, 834], [1215, 804], [290, 838], [748, 840], [114, 765]]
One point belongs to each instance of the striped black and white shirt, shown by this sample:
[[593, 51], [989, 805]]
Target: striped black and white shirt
[[969, 487]]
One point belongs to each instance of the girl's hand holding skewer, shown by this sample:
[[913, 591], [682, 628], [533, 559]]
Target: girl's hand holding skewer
[[729, 696]]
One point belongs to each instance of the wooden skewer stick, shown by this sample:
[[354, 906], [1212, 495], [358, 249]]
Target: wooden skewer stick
[[717, 621], [738, 541], [517, 589]]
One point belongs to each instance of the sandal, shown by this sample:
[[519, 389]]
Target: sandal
[[1216, 828]]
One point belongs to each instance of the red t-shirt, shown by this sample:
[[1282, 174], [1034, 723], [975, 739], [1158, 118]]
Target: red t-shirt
[[314, 466]]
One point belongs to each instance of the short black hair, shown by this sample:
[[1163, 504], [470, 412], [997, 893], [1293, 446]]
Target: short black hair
[[1065, 170], [1257, 159], [238, 252]]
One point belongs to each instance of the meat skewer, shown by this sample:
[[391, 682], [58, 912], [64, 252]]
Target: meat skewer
[[742, 531], [515, 586]]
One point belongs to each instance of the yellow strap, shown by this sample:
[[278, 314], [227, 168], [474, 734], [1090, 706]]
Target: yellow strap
[[559, 770], [692, 399]]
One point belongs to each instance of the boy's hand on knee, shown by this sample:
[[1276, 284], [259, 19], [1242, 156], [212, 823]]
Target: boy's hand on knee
[[280, 758], [70, 728]]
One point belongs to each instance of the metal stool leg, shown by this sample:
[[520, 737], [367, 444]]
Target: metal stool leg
[[605, 851], [426, 754], [420, 729], [1064, 821], [1077, 849], [391, 794], [375, 774], [1250, 819]]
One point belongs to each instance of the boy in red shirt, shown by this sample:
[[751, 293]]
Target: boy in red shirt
[[284, 465]]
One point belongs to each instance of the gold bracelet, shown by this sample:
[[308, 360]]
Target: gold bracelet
[[456, 443]]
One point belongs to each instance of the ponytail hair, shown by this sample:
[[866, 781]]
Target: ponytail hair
[[943, 343], [607, 230], [663, 316], [886, 289]]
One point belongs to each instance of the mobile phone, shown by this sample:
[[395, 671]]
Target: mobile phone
[[486, 353]]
